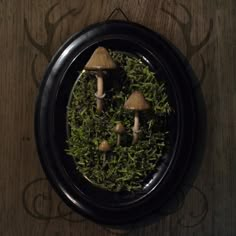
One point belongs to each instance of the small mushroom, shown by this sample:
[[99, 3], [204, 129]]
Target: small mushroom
[[104, 147], [98, 62], [136, 102], [119, 129]]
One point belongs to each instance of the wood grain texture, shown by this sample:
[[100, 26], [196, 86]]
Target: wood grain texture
[[203, 206]]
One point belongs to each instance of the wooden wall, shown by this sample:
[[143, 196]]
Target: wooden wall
[[30, 33]]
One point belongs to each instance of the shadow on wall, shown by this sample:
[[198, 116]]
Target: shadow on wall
[[179, 201]]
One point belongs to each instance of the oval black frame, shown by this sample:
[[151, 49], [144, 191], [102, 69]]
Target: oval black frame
[[48, 107]]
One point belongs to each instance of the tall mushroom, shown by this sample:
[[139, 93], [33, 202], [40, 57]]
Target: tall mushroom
[[104, 147], [98, 62], [136, 102], [119, 129]]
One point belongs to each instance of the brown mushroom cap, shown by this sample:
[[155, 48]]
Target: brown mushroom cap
[[119, 128], [136, 102], [104, 146], [100, 60]]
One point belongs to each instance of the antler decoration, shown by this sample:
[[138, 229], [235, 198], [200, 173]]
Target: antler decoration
[[196, 215], [32, 198], [179, 203], [50, 28], [186, 28]]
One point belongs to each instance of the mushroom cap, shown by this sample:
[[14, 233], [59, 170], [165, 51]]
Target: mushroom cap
[[119, 128], [104, 146], [100, 60], [136, 102]]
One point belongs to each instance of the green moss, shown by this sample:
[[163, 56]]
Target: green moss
[[126, 166]]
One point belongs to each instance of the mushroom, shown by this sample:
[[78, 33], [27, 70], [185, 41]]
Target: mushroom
[[119, 129], [136, 102], [98, 62], [104, 147]]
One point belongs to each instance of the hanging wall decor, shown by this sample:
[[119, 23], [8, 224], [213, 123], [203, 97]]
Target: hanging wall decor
[[115, 121]]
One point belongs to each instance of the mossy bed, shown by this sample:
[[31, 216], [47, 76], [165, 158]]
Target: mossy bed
[[127, 167]]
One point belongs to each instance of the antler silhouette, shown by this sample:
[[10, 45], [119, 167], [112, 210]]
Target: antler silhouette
[[197, 215], [31, 206], [33, 73], [186, 29], [50, 28]]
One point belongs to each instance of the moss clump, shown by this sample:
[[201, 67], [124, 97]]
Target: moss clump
[[127, 166]]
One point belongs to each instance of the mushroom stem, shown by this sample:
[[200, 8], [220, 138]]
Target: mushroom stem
[[103, 159], [136, 127], [99, 91], [118, 140]]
